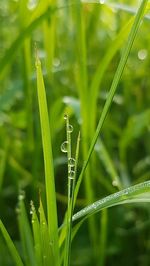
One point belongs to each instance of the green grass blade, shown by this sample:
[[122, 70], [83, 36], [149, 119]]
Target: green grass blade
[[48, 163], [103, 237], [133, 194], [25, 232], [117, 77], [36, 236], [108, 163], [71, 188], [12, 249], [46, 244]]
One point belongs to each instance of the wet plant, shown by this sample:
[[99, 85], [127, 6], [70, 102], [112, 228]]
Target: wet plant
[[43, 240]]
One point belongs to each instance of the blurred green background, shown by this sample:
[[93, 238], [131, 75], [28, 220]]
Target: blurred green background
[[80, 45]]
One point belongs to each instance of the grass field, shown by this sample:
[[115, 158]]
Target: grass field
[[74, 133]]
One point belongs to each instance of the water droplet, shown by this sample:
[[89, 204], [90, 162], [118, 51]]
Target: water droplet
[[102, 2], [115, 183], [126, 192], [32, 4], [71, 174], [56, 62], [32, 210], [64, 146], [142, 54], [33, 221], [71, 162], [43, 223], [65, 117], [70, 128], [21, 195]]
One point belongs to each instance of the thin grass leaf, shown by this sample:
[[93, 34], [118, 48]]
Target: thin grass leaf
[[12, 249], [103, 237], [48, 163], [46, 244], [36, 236], [108, 163], [133, 194], [117, 77], [25, 232], [71, 187]]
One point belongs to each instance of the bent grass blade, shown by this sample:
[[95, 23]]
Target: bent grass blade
[[133, 194]]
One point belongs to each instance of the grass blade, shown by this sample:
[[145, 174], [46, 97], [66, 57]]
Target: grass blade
[[36, 236], [133, 194], [11, 246], [48, 163], [25, 232], [71, 187], [46, 244]]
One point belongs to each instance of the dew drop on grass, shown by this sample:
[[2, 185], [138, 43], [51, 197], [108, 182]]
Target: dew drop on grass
[[102, 2], [65, 117], [115, 183], [71, 162], [71, 174], [70, 128], [21, 195], [64, 146], [126, 192], [142, 54]]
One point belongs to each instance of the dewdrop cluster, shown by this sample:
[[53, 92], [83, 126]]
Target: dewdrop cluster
[[66, 148]]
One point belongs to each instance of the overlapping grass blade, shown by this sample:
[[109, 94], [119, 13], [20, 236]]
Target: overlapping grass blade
[[25, 232], [133, 194], [36, 236], [46, 244], [12, 249], [48, 163], [117, 77]]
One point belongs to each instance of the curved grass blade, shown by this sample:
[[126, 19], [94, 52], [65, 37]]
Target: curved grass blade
[[13, 251], [133, 194], [115, 82], [48, 163]]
